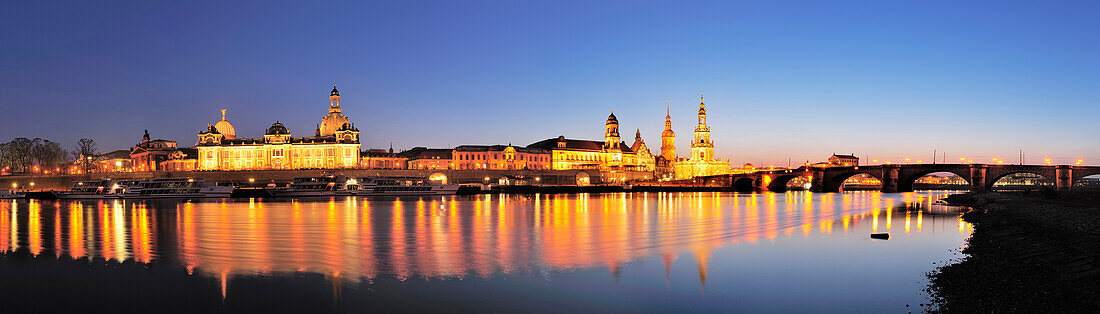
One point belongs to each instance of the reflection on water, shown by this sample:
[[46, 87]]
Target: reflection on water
[[455, 238]]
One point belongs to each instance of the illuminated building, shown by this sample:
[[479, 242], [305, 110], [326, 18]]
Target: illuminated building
[[500, 157], [702, 161], [149, 154], [843, 160], [381, 159], [427, 158], [610, 154], [183, 159], [664, 168], [115, 161], [334, 145]]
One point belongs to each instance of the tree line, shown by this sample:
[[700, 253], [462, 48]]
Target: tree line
[[22, 155]]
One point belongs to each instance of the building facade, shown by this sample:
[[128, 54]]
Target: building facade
[[381, 159], [335, 145], [500, 157], [610, 154], [149, 154], [427, 158], [702, 161]]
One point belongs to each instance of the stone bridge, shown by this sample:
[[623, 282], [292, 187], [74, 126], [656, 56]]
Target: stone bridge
[[896, 178]]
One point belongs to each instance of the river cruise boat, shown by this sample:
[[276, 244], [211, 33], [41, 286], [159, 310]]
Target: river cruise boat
[[405, 186], [329, 185], [339, 185], [176, 188], [95, 190]]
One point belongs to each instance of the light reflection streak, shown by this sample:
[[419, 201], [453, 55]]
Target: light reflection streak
[[448, 237]]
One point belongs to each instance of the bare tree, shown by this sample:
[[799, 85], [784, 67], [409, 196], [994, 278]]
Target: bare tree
[[87, 151]]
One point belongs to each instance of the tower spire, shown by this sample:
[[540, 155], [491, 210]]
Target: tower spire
[[223, 114]]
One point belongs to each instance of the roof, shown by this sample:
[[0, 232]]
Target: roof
[[845, 156], [426, 153], [118, 154], [571, 144], [498, 148], [377, 153]]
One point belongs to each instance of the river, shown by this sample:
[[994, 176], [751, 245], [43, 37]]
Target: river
[[620, 252]]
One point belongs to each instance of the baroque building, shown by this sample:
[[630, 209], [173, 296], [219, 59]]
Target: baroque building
[[149, 155], [610, 154], [702, 161], [334, 145]]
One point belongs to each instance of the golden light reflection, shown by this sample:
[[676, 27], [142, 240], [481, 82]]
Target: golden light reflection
[[445, 237]]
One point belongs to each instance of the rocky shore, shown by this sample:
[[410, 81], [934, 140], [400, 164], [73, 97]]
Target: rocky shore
[[1028, 253]]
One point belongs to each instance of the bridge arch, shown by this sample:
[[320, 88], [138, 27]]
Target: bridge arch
[[906, 180], [993, 179], [779, 182], [744, 184], [1081, 173], [836, 181]]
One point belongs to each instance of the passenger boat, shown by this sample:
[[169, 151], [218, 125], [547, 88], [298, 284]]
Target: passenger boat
[[330, 185], [404, 186], [176, 188], [339, 185], [95, 189]]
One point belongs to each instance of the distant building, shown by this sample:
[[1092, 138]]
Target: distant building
[[183, 159], [500, 157], [381, 159], [427, 158], [610, 154], [149, 154], [334, 145], [115, 161], [702, 161], [843, 161]]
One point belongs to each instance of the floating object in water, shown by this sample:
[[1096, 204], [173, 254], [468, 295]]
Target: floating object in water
[[882, 236]]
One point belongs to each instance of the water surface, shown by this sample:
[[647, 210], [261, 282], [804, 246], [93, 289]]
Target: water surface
[[715, 252]]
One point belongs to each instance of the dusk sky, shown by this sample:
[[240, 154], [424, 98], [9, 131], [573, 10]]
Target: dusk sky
[[798, 80]]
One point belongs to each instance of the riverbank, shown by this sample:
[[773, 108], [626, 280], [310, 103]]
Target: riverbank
[[1028, 253]]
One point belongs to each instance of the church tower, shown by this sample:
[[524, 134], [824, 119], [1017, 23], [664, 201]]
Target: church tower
[[702, 148], [611, 134], [335, 120], [668, 138]]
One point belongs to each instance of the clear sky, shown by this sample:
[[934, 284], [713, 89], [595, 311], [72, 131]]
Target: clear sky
[[798, 80]]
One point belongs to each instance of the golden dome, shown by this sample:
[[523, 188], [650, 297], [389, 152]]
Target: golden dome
[[332, 122], [225, 128]]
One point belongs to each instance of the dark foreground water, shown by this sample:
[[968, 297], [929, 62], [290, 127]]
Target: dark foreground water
[[639, 252]]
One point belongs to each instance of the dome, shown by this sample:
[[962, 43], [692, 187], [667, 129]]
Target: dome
[[749, 166], [612, 119], [225, 128], [668, 133], [332, 122], [334, 91], [277, 129]]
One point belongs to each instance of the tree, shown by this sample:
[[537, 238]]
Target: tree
[[86, 149]]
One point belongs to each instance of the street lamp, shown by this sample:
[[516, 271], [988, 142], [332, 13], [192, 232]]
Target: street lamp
[[1080, 161]]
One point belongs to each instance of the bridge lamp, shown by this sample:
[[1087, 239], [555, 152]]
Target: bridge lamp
[[1080, 161], [1047, 160], [920, 161]]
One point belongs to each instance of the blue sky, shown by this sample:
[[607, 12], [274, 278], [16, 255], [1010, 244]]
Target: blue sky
[[798, 80]]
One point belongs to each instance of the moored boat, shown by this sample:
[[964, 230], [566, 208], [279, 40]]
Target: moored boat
[[176, 188], [94, 189]]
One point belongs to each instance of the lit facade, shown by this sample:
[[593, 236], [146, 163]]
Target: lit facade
[[149, 154], [500, 157], [335, 145], [702, 161], [610, 154], [381, 159]]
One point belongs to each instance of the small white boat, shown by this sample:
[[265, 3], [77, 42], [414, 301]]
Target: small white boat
[[10, 195], [176, 188]]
